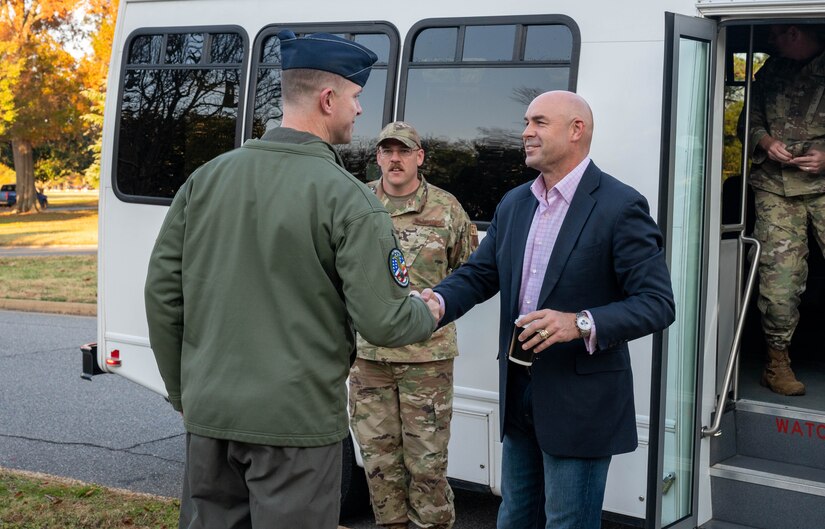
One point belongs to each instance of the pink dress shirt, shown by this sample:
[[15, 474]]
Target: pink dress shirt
[[544, 230]]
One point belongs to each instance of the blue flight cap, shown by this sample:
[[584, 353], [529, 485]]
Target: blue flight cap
[[322, 51]]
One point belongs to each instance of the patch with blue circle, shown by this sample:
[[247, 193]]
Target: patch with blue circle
[[398, 268]]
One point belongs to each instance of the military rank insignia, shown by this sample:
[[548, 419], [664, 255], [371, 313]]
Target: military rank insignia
[[398, 268]]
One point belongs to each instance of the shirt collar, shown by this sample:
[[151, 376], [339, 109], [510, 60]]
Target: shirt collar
[[289, 135], [566, 187], [413, 205]]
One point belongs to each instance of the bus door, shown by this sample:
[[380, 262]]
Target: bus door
[[683, 216], [764, 462], [748, 48]]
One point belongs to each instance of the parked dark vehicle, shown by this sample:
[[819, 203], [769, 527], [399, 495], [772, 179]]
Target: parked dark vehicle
[[8, 196]]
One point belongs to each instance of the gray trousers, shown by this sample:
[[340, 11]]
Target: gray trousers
[[234, 485]]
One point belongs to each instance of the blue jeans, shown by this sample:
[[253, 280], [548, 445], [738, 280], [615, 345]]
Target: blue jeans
[[540, 491]]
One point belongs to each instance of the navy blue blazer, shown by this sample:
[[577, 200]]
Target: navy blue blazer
[[608, 259]]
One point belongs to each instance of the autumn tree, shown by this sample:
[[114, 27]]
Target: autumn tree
[[40, 99], [94, 69]]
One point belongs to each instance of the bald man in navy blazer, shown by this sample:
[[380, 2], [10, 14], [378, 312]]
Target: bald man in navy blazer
[[577, 255]]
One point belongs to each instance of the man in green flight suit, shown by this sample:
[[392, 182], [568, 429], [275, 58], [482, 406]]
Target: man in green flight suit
[[253, 303], [401, 398]]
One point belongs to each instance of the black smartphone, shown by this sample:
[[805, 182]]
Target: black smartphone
[[517, 354]]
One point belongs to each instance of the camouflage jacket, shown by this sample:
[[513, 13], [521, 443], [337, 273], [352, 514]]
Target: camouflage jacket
[[436, 236], [788, 104]]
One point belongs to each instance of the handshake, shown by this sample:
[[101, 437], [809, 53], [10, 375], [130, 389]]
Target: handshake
[[428, 296]]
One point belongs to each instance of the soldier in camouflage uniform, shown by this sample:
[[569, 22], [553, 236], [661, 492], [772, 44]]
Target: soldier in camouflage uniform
[[787, 141], [401, 399]]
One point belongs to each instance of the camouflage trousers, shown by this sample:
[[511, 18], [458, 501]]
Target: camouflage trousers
[[400, 413], [782, 229]]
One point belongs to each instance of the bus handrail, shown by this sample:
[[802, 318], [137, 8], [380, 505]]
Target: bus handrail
[[737, 338]]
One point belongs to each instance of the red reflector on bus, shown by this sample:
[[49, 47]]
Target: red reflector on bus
[[114, 358]]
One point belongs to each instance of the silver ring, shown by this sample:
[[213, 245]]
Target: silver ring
[[544, 334]]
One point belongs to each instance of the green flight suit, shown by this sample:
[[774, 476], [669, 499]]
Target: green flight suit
[[269, 259]]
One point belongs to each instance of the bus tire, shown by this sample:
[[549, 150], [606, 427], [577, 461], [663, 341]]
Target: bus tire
[[355, 496]]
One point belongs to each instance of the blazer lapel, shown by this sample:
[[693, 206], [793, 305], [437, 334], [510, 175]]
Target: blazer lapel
[[525, 209], [577, 214]]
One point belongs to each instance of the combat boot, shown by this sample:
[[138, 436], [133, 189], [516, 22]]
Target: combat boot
[[778, 375]]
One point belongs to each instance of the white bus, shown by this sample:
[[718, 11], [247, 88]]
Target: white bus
[[665, 78]]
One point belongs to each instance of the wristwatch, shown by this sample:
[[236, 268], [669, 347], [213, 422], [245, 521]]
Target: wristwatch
[[584, 324]]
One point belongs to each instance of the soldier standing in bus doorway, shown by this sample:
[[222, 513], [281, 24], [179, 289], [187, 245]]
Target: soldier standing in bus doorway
[[401, 398], [253, 307], [787, 142]]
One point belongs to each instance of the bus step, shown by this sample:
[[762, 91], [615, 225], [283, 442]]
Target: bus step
[[781, 433], [767, 494], [716, 524]]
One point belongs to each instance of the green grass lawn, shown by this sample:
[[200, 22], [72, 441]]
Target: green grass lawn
[[62, 199], [51, 278], [29, 501], [48, 228], [71, 278]]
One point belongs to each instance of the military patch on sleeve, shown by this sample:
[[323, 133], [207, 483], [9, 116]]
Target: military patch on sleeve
[[398, 268]]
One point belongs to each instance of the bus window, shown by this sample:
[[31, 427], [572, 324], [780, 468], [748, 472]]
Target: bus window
[[376, 98], [465, 87], [178, 108]]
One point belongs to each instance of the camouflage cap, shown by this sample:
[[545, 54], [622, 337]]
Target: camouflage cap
[[401, 131]]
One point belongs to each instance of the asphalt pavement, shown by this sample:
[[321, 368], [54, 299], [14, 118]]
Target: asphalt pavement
[[108, 431]]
